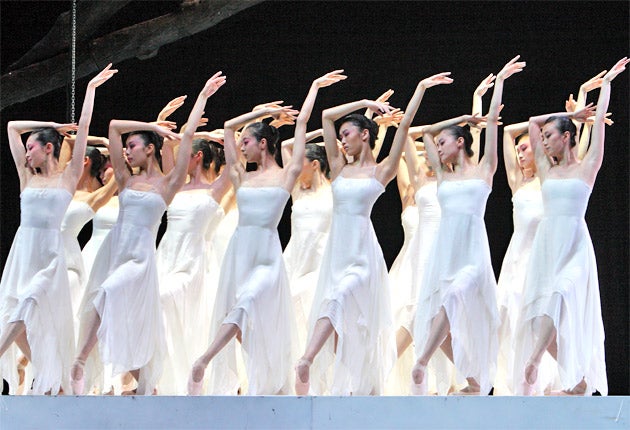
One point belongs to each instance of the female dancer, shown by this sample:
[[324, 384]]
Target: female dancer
[[254, 301], [457, 303], [310, 223], [352, 298], [561, 311], [181, 260], [520, 168], [121, 309], [35, 308]]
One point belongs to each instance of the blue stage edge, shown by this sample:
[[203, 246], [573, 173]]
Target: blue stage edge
[[280, 412]]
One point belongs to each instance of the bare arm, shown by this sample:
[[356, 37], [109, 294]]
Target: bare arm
[[477, 107], [287, 145], [412, 163], [594, 156], [389, 166], [99, 198], [490, 155]]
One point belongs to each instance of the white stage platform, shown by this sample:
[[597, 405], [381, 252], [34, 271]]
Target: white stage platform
[[278, 412]]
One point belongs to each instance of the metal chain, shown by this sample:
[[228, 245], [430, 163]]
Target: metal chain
[[73, 59]]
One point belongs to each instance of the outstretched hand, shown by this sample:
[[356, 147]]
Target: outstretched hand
[[513, 66], [485, 85], [65, 129], [376, 106], [330, 78], [619, 67], [570, 104], [392, 118], [476, 120], [385, 96], [171, 107], [283, 115], [103, 76], [439, 79], [275, 104], [213, 84], [583, 114]]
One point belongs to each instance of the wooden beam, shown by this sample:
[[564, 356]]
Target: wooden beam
[[143, 39]]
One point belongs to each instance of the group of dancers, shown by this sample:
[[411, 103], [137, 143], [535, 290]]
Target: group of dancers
[[220, 309]]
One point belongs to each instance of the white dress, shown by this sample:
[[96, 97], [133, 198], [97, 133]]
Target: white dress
[[311, 216], [35, 289], [123, 287], [405, 294], [103, 221], [254, 294], [562, 283], [460, 279], [353, 293], [76, 216], [181, 262], [527, 212]]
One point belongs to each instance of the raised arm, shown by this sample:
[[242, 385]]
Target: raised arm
[[489, 161], [510, 157], [336, 159], [75, 167], [389, 166], [177, 176], [294, 167], [287, 145], [593, 158], [390, 119], [477, 107]]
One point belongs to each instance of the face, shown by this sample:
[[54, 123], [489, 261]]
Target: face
[[524, 153], [36, 153], [250, 147], [448, 146], [136, 151], [553, 141], [352, 138]]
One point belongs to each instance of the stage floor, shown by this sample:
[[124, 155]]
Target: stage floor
[[287, 412]]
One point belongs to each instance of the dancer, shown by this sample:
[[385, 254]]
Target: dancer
[[254, 301], [560, 310], [35, 308], [120, 310], [520, 168], [353, 298], [185, 291], [311, 215], [457, 303]]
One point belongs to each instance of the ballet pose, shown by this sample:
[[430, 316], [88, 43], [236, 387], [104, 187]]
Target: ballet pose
[[253, 300], [560, 310], [35, 306], [121, 310], [456, 302], [352, 300]]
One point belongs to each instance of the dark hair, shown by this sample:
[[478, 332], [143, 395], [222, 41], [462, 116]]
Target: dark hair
[[210, 153], [464, 132], [262, 130], [98, 161], [317, 152], [150, 137], [363, 123], [563, 124], [519, 137], [48, 134]]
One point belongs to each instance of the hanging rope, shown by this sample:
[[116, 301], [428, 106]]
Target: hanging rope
[[73, 59]]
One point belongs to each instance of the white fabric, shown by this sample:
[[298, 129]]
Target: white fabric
[[254, 294], [123, 287], [35, 289], [459, 278], [311, 216], [353, 293], [103, 221], [184, 291], [562, 283]]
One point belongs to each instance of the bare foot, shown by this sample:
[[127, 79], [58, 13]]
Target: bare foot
[[302, 376]]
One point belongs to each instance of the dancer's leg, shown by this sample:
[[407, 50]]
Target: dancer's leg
[[88, 341], [10, 334], [322, 331], [403, 340], [438, 333], [224, 335], [546, 335]]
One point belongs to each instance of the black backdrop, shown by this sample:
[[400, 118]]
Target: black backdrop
[[273, 50]]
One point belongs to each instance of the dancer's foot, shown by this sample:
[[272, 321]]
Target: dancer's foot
[[302, 377], [531, 372], [578, 390], [77, 380], [195, 379], [418, 375]]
